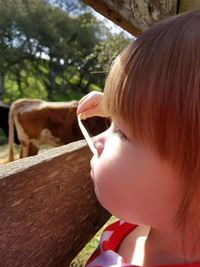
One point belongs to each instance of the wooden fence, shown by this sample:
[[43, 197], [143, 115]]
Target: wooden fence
[[136, 16], [48, 210]]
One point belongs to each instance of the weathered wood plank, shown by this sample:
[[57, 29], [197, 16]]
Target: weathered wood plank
[[48, 210], [185, 5], [133, 15]]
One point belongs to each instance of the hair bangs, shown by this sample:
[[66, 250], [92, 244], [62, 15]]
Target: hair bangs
[[134, 93], [128, 95]]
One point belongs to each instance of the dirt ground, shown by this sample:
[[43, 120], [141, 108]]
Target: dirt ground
[[4, 152]]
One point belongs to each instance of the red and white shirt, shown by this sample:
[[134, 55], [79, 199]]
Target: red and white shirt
[[106, 254]]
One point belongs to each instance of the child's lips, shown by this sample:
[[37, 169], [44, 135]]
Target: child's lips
[[91, 174], [92, 162], [91, 171]]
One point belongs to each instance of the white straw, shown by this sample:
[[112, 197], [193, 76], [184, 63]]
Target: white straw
[[86, 136]]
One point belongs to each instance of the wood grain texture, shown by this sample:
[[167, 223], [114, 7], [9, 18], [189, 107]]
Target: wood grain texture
[[185, 5], [48, 210], [135, 16]]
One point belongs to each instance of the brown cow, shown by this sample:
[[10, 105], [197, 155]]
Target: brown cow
[[38, 122], [4, 113]]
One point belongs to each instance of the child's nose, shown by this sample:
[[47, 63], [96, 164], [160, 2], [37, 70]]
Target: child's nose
[[99, 141]]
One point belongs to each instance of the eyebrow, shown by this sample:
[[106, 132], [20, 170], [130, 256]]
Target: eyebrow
[[88, 139]]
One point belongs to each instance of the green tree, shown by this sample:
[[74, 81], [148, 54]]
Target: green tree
[[49, 52], [71, 7]]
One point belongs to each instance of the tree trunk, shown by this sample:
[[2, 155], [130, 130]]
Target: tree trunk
[[2, 79]]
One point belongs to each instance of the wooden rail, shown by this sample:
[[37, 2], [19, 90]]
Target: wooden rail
[[136, 16], [48, 210], [132, 15]]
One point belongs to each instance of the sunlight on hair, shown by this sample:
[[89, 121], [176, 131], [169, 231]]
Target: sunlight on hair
[[88, 139]]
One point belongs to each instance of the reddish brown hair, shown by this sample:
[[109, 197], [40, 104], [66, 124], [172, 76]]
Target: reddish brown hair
[[154, 85]]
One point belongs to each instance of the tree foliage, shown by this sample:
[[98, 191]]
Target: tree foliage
[[52, 50]]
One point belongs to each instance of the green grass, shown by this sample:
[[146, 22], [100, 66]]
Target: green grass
[[3, 138], [83, 256]]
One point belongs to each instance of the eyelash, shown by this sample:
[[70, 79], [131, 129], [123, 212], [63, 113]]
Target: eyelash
[[119, 132]]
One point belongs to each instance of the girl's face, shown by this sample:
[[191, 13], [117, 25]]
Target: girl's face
[[130, 180]]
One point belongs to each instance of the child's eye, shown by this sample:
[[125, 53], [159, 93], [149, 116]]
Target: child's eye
[[119, 132]]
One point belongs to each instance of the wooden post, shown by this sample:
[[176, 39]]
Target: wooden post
[[185, 5], [48, 210], [134, 16]]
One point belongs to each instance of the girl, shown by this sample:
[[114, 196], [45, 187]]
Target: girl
[[147, 167]]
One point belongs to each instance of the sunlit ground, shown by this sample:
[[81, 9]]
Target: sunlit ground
[[4, 152]]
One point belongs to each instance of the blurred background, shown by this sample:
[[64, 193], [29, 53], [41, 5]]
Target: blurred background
[[55, 50]]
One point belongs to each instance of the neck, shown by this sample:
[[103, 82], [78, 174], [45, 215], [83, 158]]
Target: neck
[[172, 246]]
